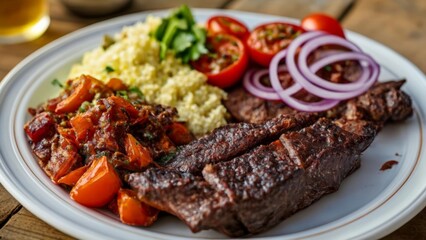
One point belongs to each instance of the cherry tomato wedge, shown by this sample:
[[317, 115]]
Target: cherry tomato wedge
[[134, 212], [322, 22], [228, 25], [268, 39], [226, 62], [98, 185]]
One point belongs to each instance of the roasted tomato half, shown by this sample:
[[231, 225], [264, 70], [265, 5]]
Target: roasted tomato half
[[226, 61], [268, 39], [231, 26]]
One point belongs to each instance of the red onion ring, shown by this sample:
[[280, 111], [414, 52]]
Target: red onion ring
[[285, 94], [259, 74], [303, 75], [310, 46], [261, 93], [307, 84]]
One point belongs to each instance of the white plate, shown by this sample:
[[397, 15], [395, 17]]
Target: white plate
[[370, 203]]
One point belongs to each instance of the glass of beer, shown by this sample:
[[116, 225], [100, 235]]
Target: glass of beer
[[22, 20]]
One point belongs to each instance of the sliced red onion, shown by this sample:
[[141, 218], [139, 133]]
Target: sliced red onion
[[261, 93], [307, 84], [305, 77], [285, 94], [310, 46], [257, 76], [273, 74]]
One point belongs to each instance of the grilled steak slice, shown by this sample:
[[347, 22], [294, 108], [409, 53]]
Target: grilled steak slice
[[235, 139], [384, 100], [188, 197], [258, 189]]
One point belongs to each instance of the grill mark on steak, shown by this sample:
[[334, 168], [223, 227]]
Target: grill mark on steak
[[383, 101], [256, 190], [235, 139]]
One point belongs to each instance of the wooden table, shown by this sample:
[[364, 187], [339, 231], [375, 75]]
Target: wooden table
[[399, 24]]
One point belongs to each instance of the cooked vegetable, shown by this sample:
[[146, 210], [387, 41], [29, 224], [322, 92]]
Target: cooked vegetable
[[179, 33], [64, 157], [116, 84], [179, 134], [139, 156], [40, 126], [72, 177], [322, 22], [268, 39], [134, 212], [227, 61], [80, 94], [83, 127], [98, 185], [228, 25]]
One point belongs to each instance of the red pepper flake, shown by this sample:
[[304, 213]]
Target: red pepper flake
[[388, 165]]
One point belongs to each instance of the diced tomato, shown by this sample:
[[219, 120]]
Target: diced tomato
[[81, 94], [98, 185], [122, 103], [134, 212], [83, 127], [68, 133], [40, 126], [72, 177], [179, 134], [139, 156], [63, 158], [116, 84]]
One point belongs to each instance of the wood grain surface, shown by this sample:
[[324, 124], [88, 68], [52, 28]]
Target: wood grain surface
[[399, 24]]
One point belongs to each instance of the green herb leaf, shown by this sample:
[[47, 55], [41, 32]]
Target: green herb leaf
[[109, 69], [328, 68], [84, 106], [166, 158], [182, 41], [137, 91], [55, 82], [122, 94], [107, 41], [179, 33]]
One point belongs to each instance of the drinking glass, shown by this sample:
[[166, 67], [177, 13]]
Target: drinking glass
[[22, 20]]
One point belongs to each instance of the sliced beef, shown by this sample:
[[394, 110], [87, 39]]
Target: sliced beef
[[383, 101], [235, 139], [258, 189]]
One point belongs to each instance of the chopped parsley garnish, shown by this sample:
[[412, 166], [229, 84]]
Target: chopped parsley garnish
[[148, 135], [180, 33], [327, 68], [122, 94], [166, 158], [84, 106], [137, 91], [109, 69], [107, 42], [55, 82]]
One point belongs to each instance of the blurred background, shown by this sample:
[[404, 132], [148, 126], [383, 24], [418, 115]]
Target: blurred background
[[399, 24]]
